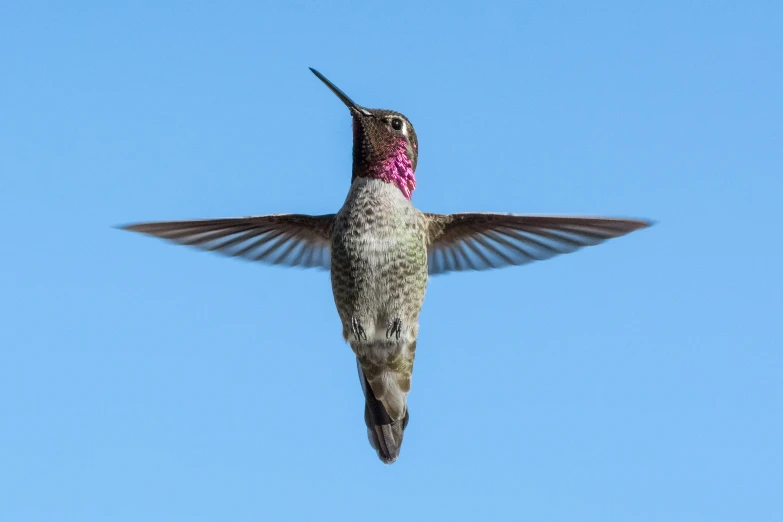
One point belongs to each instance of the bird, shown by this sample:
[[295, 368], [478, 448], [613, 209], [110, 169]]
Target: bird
[[381, 250]]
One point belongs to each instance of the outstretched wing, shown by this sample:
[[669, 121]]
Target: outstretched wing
[[288, 239], [477, 241]]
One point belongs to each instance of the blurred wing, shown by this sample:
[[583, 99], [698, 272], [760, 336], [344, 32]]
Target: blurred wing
[[477, 241], [288, 239]]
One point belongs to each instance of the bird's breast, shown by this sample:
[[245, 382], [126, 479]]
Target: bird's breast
[[377, 218], [379, 257]]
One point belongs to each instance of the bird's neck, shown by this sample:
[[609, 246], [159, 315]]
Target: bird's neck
[[395, 168]]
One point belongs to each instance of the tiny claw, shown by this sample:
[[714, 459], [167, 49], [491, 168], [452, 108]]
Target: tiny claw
[[395, 327], [358, 329]]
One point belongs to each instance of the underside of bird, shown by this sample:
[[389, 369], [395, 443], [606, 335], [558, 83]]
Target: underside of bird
[[455, 242]]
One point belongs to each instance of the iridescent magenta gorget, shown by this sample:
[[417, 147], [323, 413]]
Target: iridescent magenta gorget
[[397, 169]]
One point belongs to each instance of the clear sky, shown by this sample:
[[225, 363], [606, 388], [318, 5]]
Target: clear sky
[[639, 380]]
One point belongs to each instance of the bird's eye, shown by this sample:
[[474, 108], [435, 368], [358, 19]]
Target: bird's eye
[[396, 124]]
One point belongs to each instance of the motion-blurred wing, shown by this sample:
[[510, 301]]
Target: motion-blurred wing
[[288, 239], [477, 241]]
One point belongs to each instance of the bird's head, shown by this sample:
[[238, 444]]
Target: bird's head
[[385, 146]]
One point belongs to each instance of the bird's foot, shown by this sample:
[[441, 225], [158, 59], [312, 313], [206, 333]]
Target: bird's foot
[[358, 329], [394, 328]]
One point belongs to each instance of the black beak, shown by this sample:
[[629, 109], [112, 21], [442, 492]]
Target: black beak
[[340, 94]]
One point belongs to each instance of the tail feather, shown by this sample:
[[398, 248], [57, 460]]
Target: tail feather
[[385, 435]]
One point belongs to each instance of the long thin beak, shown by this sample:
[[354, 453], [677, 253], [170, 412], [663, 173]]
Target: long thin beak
[[340, 94]]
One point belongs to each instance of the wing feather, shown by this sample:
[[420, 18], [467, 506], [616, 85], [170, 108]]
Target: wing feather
[[478, 241], [287, 239]]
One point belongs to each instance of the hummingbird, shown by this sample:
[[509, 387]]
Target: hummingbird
[[380, 251]]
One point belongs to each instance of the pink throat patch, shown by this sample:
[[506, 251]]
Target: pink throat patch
[[396, 169]]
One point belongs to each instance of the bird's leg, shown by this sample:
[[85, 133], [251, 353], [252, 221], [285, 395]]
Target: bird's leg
[[394, 328], [358, 329]]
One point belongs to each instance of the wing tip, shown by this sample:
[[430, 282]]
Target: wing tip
[[127, 226], [643, 223], [142, 228]]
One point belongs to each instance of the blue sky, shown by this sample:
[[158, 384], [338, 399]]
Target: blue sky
[[636, 380]]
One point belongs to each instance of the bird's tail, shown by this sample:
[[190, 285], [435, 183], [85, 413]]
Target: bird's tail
[[384, 432]]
